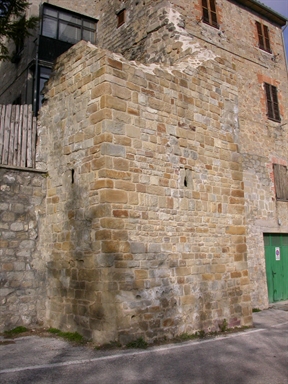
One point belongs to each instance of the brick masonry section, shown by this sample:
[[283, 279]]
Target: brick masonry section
[[145, 228], [22, 275]]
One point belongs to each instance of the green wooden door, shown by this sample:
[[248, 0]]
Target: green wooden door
[[276, 256]]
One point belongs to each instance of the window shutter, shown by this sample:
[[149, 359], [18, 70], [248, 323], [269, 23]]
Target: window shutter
[[213, 13], [205, 11], [275, 103], [121, 18], [281, 182], [277, 178], [260, 35], [209, 12], [267, 41], [205, 4], [269, 101], [272, 102], [212, 6]]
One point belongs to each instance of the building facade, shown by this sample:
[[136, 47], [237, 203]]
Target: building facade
[[164, 139]]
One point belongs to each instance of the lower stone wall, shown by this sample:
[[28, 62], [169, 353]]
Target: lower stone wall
[[22, 278]]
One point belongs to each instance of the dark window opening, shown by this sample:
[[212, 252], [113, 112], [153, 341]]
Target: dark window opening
[[209, 13], [263, 37], [281, 182], [60, 29], [72, 176], [67, 26], [44, 74], [272, 102], [121, 18]]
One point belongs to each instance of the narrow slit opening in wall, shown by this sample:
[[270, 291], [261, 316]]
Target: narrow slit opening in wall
[[72, 176], [187, 181]]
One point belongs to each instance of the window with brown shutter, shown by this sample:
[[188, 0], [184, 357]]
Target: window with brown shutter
[[263, 37], [272, 102], [121, 18], [281, 182], [209, 13]]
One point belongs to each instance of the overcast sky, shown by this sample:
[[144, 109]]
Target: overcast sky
[[280, 6]]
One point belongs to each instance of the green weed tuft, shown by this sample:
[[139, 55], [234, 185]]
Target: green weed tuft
[[201, 333], [138, 343], [256, 310], [184, 336], [71, 336], [54, 330], [223, 326], [16, 331]]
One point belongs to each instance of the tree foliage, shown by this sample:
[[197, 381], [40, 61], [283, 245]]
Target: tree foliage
[[14, 26]]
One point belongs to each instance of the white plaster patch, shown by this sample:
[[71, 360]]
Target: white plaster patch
[[195, 56]]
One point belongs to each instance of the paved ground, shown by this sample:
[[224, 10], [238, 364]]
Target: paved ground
[[258, 355]]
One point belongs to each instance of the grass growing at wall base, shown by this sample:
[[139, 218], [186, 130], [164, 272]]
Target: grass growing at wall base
[[187, 336], [16, 331], [201, 334], [71, 336], [138, 343]]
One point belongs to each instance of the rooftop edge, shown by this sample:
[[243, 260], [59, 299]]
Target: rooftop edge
[[263, 10]]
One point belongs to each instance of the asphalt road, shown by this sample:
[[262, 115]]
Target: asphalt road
[[258, 355]]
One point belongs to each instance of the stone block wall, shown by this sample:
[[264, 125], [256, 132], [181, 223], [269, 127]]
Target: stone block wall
[[145, 227], [261, 141], [160, 164], [22, 273]]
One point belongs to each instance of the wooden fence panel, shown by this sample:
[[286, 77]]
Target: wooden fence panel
[[1, 132], [2, 120], [29, 139], [24, 137], [18, 130], [7, 125], [11, 136], [18, 151], [15, 146]]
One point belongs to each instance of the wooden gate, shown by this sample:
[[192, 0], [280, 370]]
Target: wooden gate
[[276, 255], [18, 130]]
